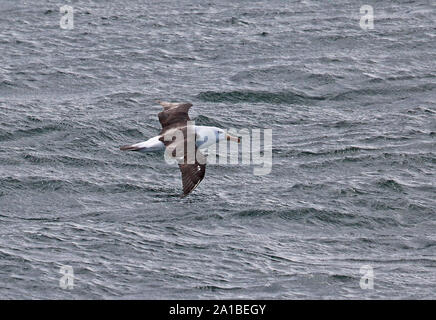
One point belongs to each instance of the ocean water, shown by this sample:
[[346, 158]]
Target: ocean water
[[352, 184]]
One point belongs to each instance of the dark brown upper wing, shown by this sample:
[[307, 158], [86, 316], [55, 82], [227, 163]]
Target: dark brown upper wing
[[192, 174], [174, 115]]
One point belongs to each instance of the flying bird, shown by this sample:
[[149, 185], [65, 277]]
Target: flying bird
[[174, 117]]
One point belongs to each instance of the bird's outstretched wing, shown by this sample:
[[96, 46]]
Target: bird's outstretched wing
[[173, 115], [173, 118], [192, 174]]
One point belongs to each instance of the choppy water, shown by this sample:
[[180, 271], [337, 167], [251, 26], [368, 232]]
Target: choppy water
[[353, 116]]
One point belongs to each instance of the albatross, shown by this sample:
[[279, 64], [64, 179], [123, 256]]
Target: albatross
[[174, 117]]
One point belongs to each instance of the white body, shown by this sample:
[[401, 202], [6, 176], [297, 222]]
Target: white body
[[153, 144], [206, 136]]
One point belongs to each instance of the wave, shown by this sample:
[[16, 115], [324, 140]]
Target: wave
[[390, 184], [306, 153], [323, 217], [206, 121], [238, 96], [43, 184], [385, 91]]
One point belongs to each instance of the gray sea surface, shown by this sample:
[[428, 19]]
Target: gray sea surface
[[353, 117]]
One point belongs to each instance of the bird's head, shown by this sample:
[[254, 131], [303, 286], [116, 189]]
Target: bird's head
[[223, 135]]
